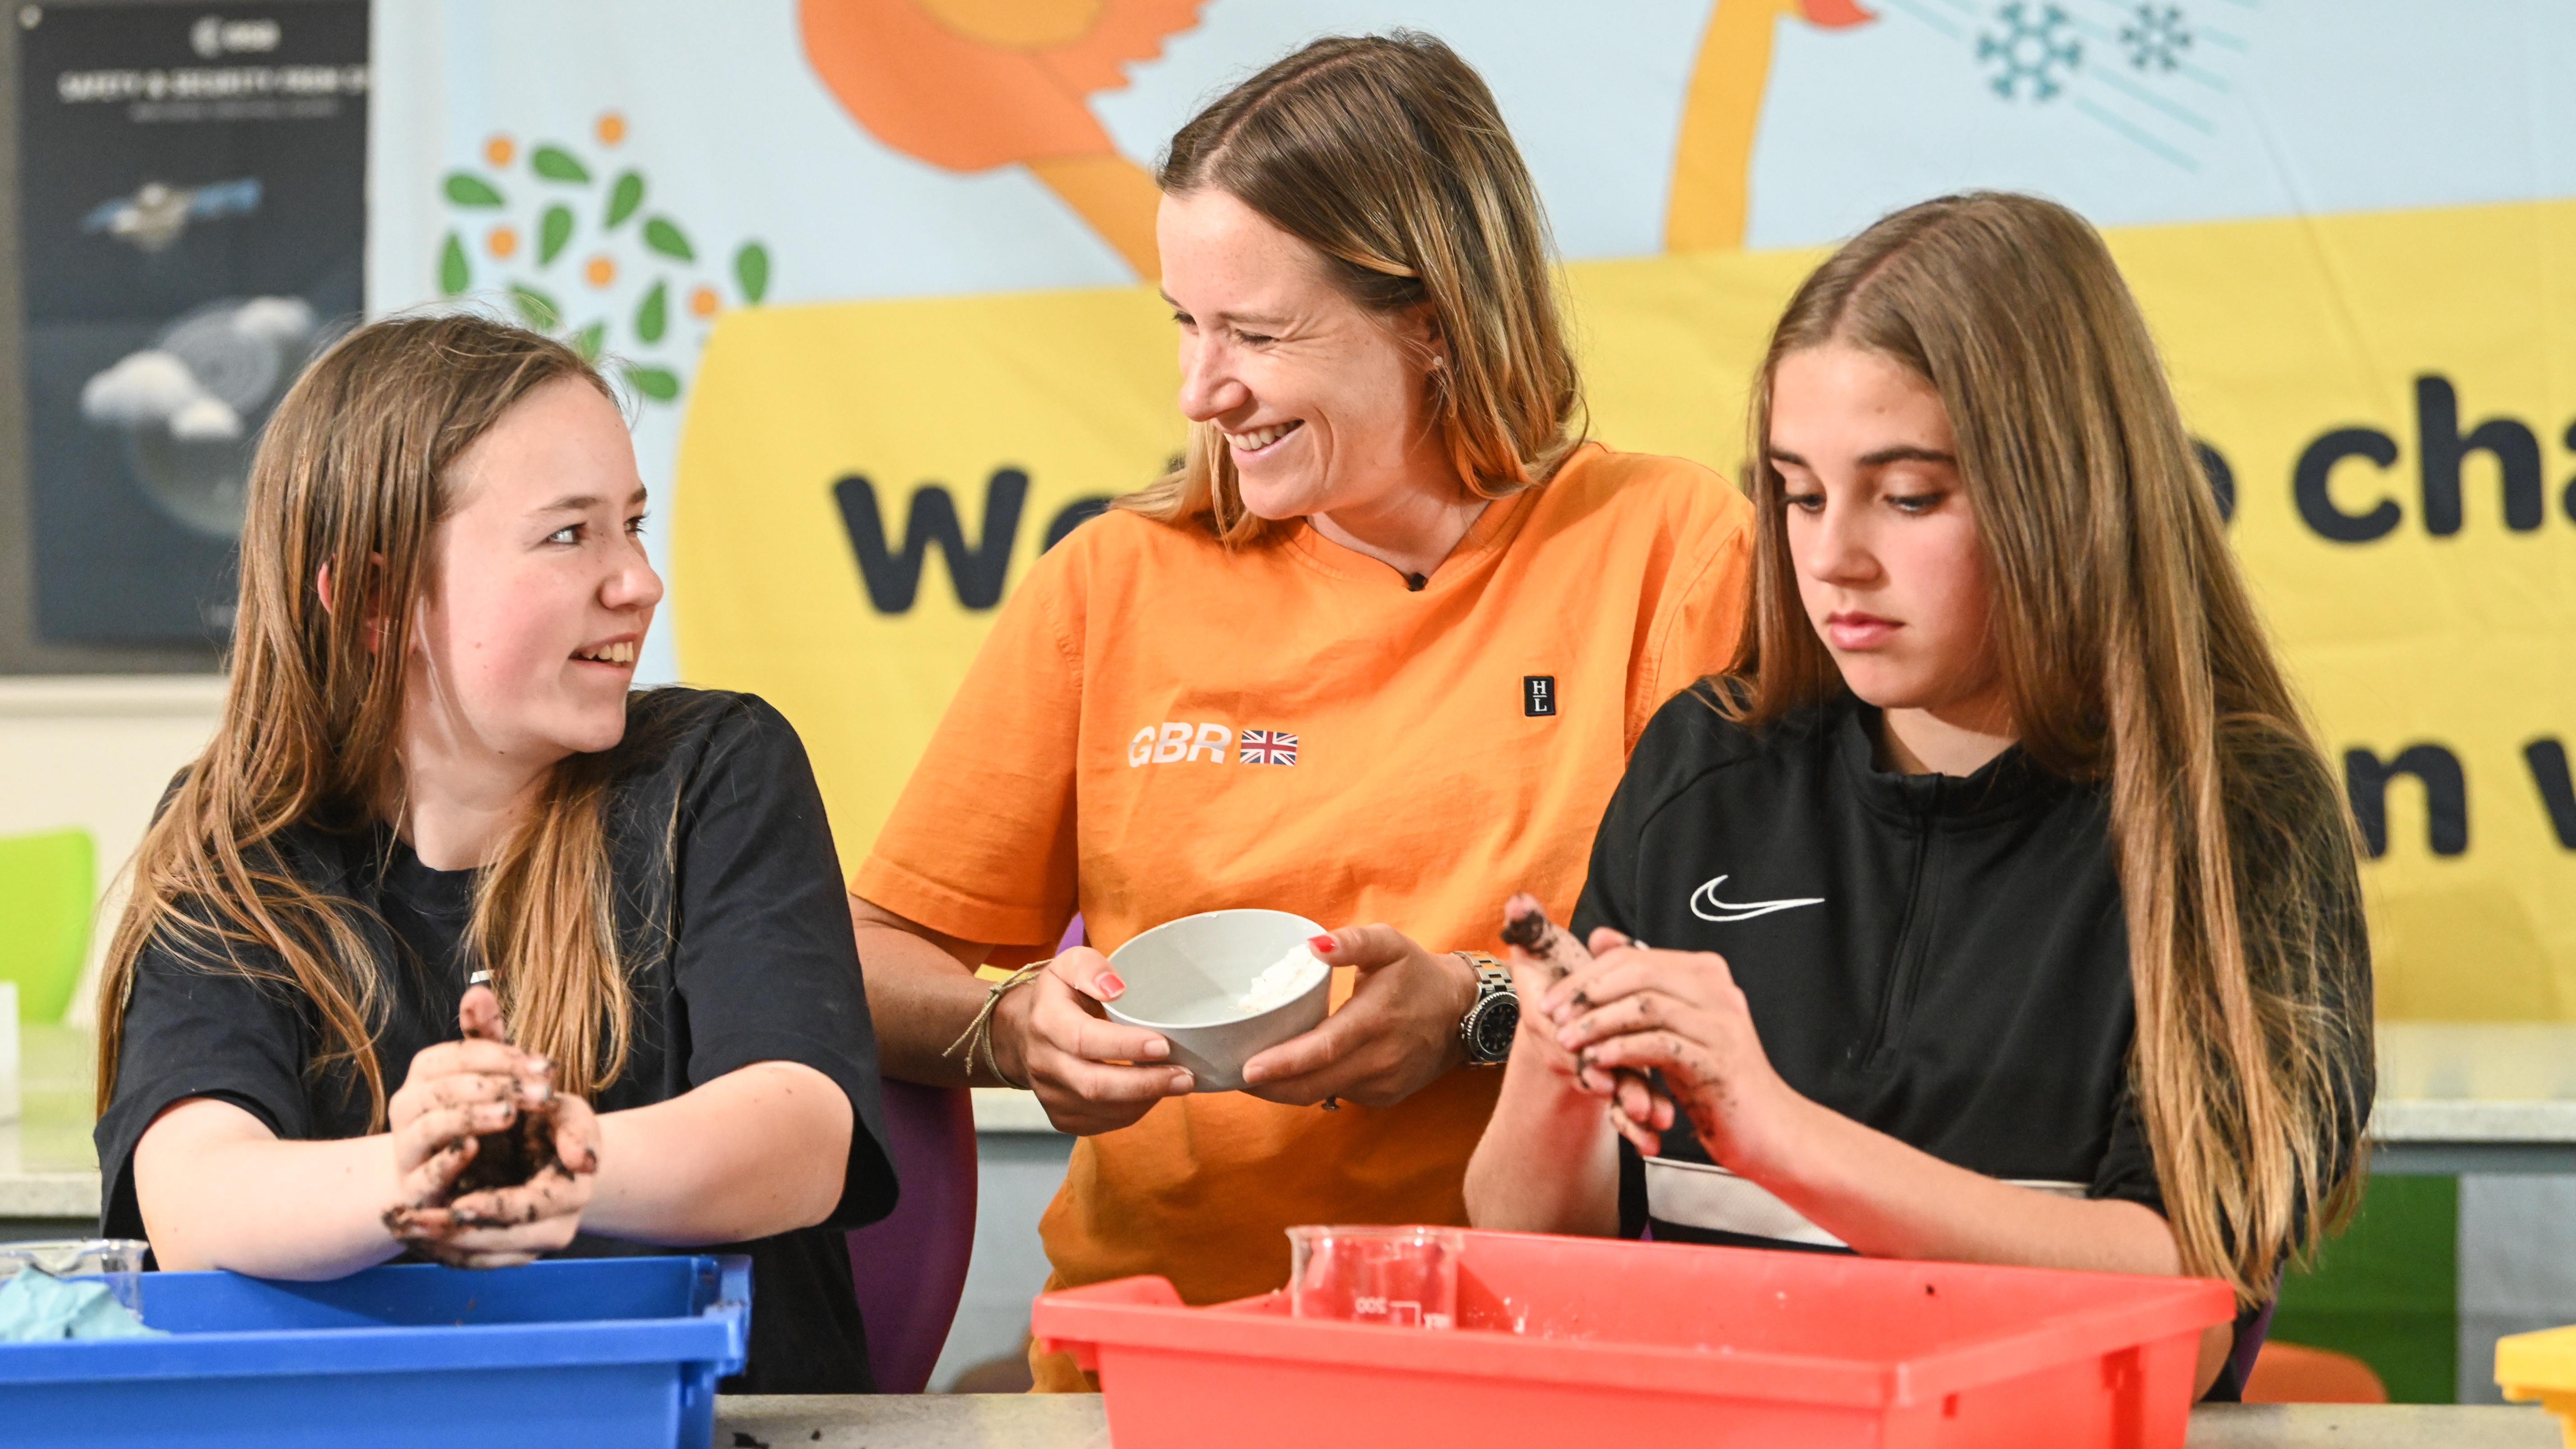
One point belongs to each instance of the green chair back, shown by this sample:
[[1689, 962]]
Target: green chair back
[[48, 888], [2387, 1291]]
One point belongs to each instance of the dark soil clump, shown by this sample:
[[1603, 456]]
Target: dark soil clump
[[512, 1156], [1530, 932]]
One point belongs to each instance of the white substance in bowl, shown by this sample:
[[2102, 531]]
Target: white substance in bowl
[[1283, 981]]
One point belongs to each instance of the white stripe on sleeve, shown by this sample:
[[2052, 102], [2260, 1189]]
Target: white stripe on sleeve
[[1701, 1195]]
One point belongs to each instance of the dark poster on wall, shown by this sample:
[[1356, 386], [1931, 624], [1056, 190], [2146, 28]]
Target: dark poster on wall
[[192, 223]]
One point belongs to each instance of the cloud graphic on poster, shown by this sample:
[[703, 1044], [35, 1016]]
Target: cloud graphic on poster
[[205, 374], [205, 420], [154, 386], [278, 321], [190, 403]]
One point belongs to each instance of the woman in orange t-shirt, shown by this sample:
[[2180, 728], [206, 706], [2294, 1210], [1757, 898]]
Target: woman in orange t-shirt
[[1375, 653]]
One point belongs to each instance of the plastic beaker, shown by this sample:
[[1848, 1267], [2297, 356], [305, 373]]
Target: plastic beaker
[[1405, 1276], [117, 1262]]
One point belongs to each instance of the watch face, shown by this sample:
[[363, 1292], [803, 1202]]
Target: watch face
[[1495, 1023]]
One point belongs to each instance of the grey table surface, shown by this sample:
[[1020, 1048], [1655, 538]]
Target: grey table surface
[[1079, 1421]]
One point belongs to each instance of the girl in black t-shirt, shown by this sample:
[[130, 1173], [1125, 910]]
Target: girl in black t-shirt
[[434, 806], [2002, 906]]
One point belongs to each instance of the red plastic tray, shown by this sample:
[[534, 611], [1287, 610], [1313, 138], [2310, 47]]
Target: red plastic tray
[[1569, 1342]]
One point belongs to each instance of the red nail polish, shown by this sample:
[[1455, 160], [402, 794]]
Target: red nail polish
[[1110, 985], [1323, 945]]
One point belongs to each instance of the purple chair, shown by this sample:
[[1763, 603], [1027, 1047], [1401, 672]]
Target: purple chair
[[2249, 1344], [910, 1269]]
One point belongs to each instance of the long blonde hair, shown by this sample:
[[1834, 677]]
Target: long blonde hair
[[352, 475], [2131, 654], [1388, 156]]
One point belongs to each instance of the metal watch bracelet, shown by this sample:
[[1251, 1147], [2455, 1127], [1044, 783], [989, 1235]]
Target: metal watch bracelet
[[1493, 1019]]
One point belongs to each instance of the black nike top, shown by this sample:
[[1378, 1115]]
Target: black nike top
[[1940, 958]]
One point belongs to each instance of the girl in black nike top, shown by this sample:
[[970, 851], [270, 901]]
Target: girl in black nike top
[[2003, 908]]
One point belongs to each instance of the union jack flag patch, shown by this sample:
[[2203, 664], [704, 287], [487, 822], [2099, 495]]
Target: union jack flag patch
[[1268, 747]]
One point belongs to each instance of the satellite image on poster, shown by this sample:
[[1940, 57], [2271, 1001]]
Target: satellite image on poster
[[192, 221]]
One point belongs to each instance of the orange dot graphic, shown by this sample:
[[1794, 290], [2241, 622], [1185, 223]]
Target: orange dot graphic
[[498, 150], [612, 128], [502, 241], [601, 271], [702, 302]]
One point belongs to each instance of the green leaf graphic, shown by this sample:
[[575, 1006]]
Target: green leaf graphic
[[453, 275], [658, 383], [653, 315], [552, 232], [587, 340], [536, 308], [751, 268], [557, 164], [467, 189], [627, 195], [665, 238]]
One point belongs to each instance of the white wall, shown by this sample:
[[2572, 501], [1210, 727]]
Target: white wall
[[2517, 1268], [96, 752]]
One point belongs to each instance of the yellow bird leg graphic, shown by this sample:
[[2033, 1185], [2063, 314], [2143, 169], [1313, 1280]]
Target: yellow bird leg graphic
[[1712, 165]]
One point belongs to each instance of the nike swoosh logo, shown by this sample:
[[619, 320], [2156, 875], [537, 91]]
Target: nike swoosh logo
[[1705, 904]]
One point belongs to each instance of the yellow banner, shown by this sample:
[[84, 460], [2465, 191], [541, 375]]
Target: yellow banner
[[2390, 394]]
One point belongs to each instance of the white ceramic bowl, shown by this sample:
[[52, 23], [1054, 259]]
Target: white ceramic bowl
[[1183, 980]]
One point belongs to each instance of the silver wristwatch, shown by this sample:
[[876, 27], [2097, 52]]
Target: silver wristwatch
[[1494, 1018]]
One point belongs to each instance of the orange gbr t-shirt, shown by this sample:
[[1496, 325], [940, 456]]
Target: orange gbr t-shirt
[[1158, 725]]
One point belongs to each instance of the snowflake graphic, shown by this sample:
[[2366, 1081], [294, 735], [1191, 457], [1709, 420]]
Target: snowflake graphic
[[2032, 54], [2157, 39]]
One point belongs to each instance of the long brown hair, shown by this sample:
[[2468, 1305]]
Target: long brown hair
[[352, 475], [1388, 156], [2131, 654]]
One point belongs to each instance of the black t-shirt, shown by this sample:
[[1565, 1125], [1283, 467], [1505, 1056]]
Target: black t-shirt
[[736, 937], [1943, 959]]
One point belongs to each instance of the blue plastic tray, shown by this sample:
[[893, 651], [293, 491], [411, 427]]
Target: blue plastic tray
[[622, 1351]]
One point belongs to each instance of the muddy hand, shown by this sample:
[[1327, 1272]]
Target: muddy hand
[[1638, 1109], [454, 1093], [500, 1226], [457, 1093]]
